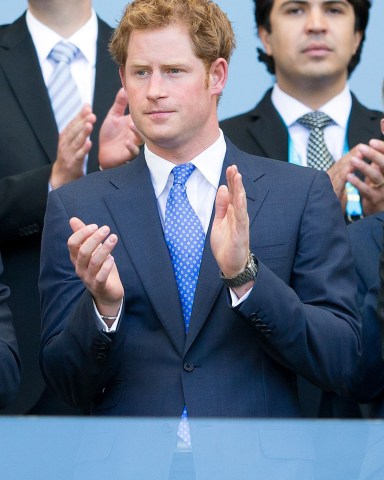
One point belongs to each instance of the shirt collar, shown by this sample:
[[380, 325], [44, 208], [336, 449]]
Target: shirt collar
[[290, 109], [209, 163], [44, 38]]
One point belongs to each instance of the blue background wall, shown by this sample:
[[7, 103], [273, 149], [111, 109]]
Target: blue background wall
[[248, 78]]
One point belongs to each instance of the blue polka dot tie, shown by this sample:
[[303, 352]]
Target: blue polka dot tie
[[185, 239]]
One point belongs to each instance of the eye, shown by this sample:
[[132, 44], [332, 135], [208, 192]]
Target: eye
[[174, 71], [141, 73], [335, 10], [294, 10]]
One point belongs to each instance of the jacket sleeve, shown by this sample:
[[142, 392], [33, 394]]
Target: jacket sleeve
[[311, 325]]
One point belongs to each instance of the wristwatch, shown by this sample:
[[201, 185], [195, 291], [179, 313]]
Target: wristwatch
[[250, 273]]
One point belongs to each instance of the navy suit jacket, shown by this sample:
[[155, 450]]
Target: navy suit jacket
[[299, 318], [28, 146], [366, 238]]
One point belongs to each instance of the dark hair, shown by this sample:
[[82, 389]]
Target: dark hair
[[263, 12]]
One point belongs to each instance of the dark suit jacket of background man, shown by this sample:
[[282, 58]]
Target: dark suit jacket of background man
[[233, 362], [366, 238], [261, 131], [9, 358], [28, 145]]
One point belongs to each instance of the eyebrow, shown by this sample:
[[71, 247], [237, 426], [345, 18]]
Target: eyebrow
[[304, 2]]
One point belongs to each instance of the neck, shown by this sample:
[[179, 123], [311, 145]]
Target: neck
[[315, 93], [179, 151], [64, 17]]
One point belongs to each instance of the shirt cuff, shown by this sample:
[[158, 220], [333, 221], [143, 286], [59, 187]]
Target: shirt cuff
[[235, 301], [102, 325]]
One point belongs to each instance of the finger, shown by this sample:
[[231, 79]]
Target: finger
[[133, 151], [80, 235], [382, 125], [377, 145], [90, 245], [134, 129], [371, 172], [100, 255], [221, 203], [76, 224], [373, 154], [120, 104], [230, 174], [364, 189], [104, 271]]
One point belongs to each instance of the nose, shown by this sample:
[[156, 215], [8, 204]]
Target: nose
[[156, 86], [316, 20]]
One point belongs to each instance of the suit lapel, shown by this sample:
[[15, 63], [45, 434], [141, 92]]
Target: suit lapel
[[22, 69], [268, 130], [141, 232], [364, 124], [209, 284]]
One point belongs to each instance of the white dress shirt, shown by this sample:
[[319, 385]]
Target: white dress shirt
[[201, 188], [338, 108], [83, 67]]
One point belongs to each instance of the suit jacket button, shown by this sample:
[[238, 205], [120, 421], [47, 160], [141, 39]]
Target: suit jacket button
[[188, 366]]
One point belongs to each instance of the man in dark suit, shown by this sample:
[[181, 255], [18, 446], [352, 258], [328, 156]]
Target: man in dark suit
[[31, 162], [312, 60], [114, 339], [9, 357], [312, 57]]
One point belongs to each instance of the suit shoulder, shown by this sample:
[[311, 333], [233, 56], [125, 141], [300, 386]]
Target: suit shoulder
[[96, 183]]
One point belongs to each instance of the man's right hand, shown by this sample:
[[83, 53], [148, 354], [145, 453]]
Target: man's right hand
[[74, 145], [90, 249]]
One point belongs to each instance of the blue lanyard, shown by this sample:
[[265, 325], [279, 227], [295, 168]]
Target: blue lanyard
[[353, 208]]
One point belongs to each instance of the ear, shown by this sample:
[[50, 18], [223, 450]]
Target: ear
[[264, 38], [122, 76], [382, 125], [358, 37], [218, 75]]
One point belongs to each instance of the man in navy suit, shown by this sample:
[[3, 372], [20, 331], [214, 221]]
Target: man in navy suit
[[275, 295]]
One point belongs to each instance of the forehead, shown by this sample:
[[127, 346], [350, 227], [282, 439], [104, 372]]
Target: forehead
[[171, 40]]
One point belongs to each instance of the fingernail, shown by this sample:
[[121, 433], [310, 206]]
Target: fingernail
[[364, 149]]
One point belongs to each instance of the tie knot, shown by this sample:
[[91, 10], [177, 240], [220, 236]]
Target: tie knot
[[181, 173], [63, 52], [315, 120]]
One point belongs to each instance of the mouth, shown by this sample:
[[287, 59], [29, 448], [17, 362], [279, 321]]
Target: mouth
[[317, 49], [159, 114]]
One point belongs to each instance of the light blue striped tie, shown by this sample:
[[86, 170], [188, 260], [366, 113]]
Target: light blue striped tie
[[62, 89], [185, 239]]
